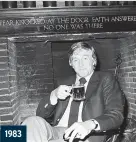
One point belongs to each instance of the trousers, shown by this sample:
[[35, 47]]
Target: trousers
[[39, 130]]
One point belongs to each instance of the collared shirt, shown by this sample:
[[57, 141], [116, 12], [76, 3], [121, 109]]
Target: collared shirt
[[64, 120]]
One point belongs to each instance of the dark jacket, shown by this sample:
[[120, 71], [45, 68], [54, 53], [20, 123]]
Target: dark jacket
[[104, 103]]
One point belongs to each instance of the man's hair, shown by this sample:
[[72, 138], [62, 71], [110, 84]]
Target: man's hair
[[82, 45]]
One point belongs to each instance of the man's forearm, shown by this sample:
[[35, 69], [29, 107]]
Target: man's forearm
[[45, 108], [110, 120]]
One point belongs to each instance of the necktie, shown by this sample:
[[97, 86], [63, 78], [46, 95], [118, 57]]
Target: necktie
[[73, 116], [82, 80]]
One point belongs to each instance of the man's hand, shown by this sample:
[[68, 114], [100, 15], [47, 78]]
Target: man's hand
[[79, 130], [62, 92]]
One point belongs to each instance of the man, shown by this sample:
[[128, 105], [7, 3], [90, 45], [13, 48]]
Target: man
[[102, 109]]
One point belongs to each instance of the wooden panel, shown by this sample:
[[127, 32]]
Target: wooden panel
[[39, 4], [78, 3], [60, 3], [19, 4], [0, 4]]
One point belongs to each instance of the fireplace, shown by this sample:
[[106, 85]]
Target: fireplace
[[33, 56], [36, 62]]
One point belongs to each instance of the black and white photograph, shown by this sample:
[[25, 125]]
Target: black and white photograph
[[67, 71]]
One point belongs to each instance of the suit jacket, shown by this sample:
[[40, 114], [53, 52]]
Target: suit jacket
[[104, 103]]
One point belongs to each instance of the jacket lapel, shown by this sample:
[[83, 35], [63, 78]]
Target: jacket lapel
[[61, 107], [88, 108], [92, 85]]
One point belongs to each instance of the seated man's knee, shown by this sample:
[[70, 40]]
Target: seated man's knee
[[32, 119]]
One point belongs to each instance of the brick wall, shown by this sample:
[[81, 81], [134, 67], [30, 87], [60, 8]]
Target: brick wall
[[13, 81], [127, 75], [35, 77], [9, 103]]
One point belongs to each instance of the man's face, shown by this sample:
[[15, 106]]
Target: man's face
[[82, 62]]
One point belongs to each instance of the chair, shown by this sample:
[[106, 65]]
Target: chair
[[125, 134], [128, 133]]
